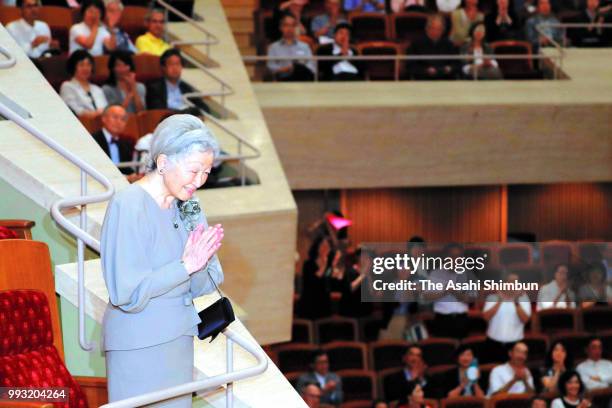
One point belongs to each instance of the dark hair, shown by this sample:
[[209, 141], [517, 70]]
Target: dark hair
[[75, 58], [284, 16], [342, 25], [569, 359], [92, 3], [316, 354], [565, 377], [474, 26], [170, 53], [307, 384], [378, 401], [536, 398], [462, 349], [592, 339], [19, 3], [451, 246], [413, 346], [123, 56]]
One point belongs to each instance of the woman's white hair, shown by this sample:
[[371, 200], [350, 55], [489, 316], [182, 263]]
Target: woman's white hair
[[180, 135]]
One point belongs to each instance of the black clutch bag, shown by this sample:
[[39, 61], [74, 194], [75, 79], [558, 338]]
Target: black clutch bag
[[215, 317]]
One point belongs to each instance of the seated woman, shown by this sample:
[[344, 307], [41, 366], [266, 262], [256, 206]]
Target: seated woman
[[82, 97], [595, 290], [558, 361], [91, 34], [479, 67], [571, 389], [415, 397], [457, 382], [462, 20], [121, 87]]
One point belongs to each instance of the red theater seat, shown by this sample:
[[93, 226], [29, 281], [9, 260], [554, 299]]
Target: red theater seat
[[358, 384], [335, 328], [344, 355], [380, 70], [368, 26], [408, 26], [463, 402]]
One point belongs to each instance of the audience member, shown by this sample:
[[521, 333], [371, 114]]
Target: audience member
[[290, 46], [414, 397], [311, 394], [502, 22], [339, 70], [152, 41], [32, 35], [90, 34], [479, 67], [397, 6], [596, 290], [121, 40], [447, 6], [507, 313], [369, 6], [314, 300], [396, 384], [434, 42], [81, 96], [558, 361], [450, 306], [121, 87], [557, 293], [289, 7], [379, 404], [595, 371], [538, 402], [462, 21], [351, 304], [571, 391], [114, 119], [514, 376], [457, 383], [167, 92], [590, 36], [323, 25], [542, 19], [329, 382]]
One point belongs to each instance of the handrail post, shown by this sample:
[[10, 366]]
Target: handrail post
[[85, 345], [229, 390]]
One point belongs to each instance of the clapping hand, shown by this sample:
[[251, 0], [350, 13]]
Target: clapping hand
[[201, 245]]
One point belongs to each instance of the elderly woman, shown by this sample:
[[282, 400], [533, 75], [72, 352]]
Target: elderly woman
[[82, 97], [158, 253], [121, 87]]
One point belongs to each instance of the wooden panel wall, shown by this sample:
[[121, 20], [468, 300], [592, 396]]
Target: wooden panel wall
[[438, 214], [562, 211]]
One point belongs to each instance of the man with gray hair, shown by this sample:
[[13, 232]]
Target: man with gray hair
[[152, 41], [112, 16], [114, 120], [434, 42]]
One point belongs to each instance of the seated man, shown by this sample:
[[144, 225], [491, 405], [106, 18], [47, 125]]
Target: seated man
[[152, 42], [544, 16], [167, 92], [340, 70], [434, 42], [311, 394], [330, 383], [33, 35], [513, 377], [290, 46], [595, 371], [395, 385], [591, 36], [114, 119], [538, 402]]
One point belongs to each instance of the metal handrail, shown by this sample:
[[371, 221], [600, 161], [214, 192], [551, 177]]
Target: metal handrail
[[84, 238], [226, 89], [212, 382], [211, 39]]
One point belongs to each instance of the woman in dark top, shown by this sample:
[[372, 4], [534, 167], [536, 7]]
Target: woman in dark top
[[415, 397], [571, 389], [315, 301], [121, 87], [457, 382], [558, 360], [350, 302]]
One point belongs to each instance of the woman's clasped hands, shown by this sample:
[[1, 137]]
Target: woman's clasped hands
[[201, 245]]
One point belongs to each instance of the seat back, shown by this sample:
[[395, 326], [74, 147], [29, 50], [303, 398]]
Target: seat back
[[344, 355], [368, 26], [514, 68], [9, 14], [387, 354], [596, 318], [59, 19], [556, 320], [463, 402], [302, 331], [335, 328], [408, 26], [100, 71], [54, 70], [510, 401], [358, 384], [149, 119], [147, 67], [22, 228], [376, 70], [26, 264], [556, 252], [438, 351], [295, 357], [133, 21], [515, 253]]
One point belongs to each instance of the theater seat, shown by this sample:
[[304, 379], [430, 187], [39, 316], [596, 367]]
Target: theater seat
[[515, 253], [368, 26], [483, 349], [408, 26], [147, 67], [357, 404], [551, 321], [21, 228], [510, 401], [60, 19], [515, 68], [9, 14], [294, 356], [100, 71], [601, 397], [590, 252], [54, 69], [133, 21], [537, 345], [556, 252], [463, 402], [344, 355], [438, 351], [387, 354], [91, 124], [358, 384], [596, 318], [335, 328], [380, 70], [302, 331], [149, 119]]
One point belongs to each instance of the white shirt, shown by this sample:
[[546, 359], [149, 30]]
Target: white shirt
[[23, 33], [600, 368], [448, 304], [78, 100], [446, 6], [506, 326], [549, 292], [558, 403], [502, 375], [343, 66], [81, 29]]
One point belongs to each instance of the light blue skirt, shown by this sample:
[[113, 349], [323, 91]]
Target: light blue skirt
[[139, 371]]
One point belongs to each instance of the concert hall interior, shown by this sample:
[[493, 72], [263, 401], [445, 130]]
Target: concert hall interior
[[347, 130]]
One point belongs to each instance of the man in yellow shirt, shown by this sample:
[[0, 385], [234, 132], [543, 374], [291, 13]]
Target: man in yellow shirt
[[152, 42]]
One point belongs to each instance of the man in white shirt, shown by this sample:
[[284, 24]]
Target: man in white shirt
[[595, 371], [557, 293], [514, 376], [33, 35]]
